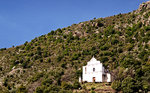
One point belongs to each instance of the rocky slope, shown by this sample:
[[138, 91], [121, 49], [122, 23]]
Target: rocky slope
[[52, 62]]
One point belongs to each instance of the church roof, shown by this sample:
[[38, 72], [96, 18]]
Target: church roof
[[93, 59]]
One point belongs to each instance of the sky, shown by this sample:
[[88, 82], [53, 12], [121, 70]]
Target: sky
[[23, 20]]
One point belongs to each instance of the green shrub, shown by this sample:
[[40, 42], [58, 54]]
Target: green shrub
[[93, 91], [36, 77], [107, 53], [2, 49], [1, 68], [59, 58], [109, 31], [75, 56], [22, 89], [145, 86], [66, 86], [47, 82], [27, 47], [26, 43], [104, 59], [128, 85], [63, 65], [86, 52], [25, 64], [48, 60], [38, 48], [39, 90], [99, 24], [45, 54], [114, 41], [79, 73], [116, 85], [5, 82], [105, 47], [76, 85], [92, 88]]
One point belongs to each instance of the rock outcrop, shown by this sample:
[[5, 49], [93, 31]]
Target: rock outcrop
[[144, 6]]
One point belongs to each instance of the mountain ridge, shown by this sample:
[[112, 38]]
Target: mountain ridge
[[52, 62]]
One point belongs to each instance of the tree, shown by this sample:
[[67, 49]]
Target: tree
[[116, 85], [47, 82], [66, 86], [26, 43], [145, 86], [38, 48], [128, 85], [59, 58], [21, 89], [0, 68], [48, 60], [76, 85], [39, 90]]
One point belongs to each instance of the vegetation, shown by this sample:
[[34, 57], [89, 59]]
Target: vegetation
[[53, 62]]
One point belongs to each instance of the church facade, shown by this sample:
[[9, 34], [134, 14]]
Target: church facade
[[95, 72]]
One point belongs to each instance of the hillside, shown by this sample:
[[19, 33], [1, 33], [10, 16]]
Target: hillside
[[52, 62]]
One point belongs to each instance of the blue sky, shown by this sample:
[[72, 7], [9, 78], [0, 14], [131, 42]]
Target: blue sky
[[23, 20]]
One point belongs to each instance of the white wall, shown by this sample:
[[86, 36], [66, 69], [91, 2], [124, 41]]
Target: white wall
[[108, 77], [88, 73]]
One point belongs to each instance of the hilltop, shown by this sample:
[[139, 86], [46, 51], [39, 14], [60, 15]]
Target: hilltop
[[52, 62]]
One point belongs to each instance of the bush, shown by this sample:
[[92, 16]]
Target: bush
[[36, 77], [107, 53], [116, 85], [75, 56], [79, 73], [48, 60], [38, 48], [146, 28], [128, 85], [105, 47], [22, 89], [45, 54], [104, 59], [5, 82], [86, 52], [41, 59], [66, 86], [47, 82], [59, 30], [63, 65], [39, 90], [99, 24], [0, 68], [114, 41], [2, 49], [76, 85], [146, 86], [109, 31], [127, 62], [27, 47], [26, 43], [51, 33], [24, 64], [92, 88], [59, 58]]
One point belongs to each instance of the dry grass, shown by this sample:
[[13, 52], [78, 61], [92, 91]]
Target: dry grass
[[96, 87]]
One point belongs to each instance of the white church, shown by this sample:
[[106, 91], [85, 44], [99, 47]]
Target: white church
[[95, 72]]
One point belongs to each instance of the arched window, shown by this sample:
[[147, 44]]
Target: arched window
[[93, 69]]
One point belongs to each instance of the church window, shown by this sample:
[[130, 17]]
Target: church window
[[93, 69]]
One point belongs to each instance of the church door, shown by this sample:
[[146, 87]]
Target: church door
[[94, 79]]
